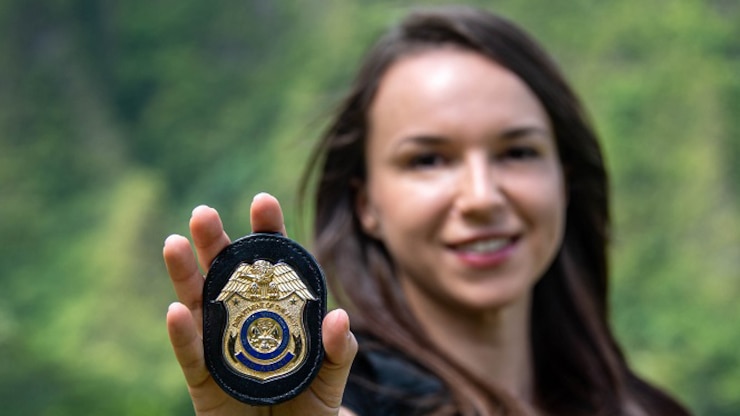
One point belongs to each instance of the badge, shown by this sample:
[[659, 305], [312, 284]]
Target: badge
[[264, 299]]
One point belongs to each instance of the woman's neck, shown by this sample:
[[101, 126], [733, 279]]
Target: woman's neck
[[493, 345]]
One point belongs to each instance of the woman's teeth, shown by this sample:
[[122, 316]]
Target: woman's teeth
[[484, 246]]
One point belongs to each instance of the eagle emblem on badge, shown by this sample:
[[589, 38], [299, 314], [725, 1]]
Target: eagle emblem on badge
[[264, 337]]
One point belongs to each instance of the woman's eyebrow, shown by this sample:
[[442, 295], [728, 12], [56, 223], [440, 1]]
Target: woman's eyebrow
[[508, 134], [423, 140], [525, 131]]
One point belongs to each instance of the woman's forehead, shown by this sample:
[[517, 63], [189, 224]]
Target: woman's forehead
[[452, 86]]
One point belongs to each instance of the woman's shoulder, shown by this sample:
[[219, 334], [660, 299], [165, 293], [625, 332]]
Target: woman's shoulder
[[384, 381]]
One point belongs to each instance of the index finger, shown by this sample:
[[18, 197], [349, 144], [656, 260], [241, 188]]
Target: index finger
[[266, 215]]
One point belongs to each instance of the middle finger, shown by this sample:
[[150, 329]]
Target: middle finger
[[209, 237]]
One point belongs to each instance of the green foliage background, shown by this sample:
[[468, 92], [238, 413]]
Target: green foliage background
[[118, 117]]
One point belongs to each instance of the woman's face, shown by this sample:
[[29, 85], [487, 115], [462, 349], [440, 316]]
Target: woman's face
[[464, 184]]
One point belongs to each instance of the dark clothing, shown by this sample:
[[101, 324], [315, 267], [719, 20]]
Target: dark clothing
[[386, 382]]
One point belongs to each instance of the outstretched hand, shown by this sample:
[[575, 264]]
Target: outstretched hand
[[185, 320]]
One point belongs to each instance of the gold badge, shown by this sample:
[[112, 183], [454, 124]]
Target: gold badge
[[264, 337]]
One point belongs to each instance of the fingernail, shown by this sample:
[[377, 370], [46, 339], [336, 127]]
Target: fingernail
[[202, 206], [171, 237], [341, 312], [259, 195]]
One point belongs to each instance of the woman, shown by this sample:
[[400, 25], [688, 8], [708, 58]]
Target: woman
[[462, 220]]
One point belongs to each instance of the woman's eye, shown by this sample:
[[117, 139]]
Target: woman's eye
[[427, 160], [520, 153]]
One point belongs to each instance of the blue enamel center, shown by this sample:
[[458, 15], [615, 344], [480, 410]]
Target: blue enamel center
[[245, 335]]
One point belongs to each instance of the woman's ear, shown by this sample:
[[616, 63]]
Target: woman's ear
[[365, 211]]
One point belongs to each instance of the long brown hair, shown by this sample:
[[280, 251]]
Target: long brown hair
[[579, 368]]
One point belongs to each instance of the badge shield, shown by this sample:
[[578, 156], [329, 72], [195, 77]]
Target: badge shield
[[264, 300], [264, 338]]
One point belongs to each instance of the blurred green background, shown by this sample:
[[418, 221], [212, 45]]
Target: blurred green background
[[118, 117]]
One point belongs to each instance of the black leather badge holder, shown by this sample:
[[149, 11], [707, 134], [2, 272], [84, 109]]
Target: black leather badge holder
[[263, 303]]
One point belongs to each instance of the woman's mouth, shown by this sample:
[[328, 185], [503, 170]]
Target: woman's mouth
[[484, 246], [485, 253]]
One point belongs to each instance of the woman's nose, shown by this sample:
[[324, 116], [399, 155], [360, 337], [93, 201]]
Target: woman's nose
[[479, 193]]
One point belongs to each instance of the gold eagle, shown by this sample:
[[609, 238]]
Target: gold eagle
[[263, 280]]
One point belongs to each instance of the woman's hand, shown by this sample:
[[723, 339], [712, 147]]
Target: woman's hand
[[185, 321]]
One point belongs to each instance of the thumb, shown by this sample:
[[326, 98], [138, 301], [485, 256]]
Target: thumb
[[340, 346]]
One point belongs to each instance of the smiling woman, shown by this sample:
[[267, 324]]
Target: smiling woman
[[462, 166], [461, 217], [462, 211]]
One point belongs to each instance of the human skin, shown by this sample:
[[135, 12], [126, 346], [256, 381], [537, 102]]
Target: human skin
[[184, 322], [465, 189]]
